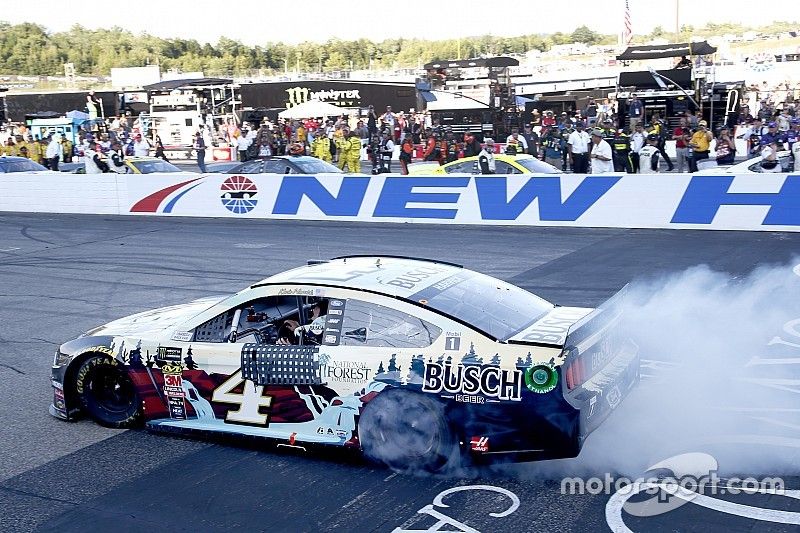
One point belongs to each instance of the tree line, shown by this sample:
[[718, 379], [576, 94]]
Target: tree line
[[29, 49]]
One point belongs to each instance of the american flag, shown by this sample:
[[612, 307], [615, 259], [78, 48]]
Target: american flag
[[627, 32]]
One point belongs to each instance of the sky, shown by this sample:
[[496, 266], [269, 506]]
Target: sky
[[261, 21]]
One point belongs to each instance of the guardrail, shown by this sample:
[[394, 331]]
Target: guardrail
[[766, 202]]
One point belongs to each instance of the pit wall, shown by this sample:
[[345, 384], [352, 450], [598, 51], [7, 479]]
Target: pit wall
[[765, 202]]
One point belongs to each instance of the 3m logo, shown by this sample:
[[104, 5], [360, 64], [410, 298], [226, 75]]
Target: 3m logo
[[479, 444]]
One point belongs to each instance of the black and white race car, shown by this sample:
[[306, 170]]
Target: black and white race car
[[416, 363]]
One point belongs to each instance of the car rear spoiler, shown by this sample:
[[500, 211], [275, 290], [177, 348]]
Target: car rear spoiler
[[594, 340]]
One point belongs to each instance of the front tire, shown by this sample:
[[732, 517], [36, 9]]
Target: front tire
[[106, 393], [407, 432]]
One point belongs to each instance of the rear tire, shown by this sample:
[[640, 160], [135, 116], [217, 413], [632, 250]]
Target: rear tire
[[106, 393], [407, 432]]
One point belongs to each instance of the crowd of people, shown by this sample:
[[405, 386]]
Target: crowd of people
[[576, 141]]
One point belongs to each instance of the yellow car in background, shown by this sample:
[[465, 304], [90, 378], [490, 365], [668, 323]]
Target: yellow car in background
[[504, 164], [135, 164]]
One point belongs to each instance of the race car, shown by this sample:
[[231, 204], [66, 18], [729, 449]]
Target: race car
[[414, 363], [135, 164], [504, 164]]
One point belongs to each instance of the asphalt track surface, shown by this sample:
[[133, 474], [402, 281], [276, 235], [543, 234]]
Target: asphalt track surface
[[61, 275]]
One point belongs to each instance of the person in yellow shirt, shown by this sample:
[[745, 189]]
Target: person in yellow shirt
[[340, 140], [352, 153], [21, 143], [700, 144], [66, 146], [321, 147], [300, 132], [10, 148]]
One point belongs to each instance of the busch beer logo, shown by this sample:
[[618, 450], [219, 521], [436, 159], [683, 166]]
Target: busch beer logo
[[490, 381]]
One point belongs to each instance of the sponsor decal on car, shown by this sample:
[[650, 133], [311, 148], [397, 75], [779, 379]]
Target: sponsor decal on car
[[333, 322], [479, 444], [345, 371], [296, 291], [182, 336], [491, 382], [410, 279], [58, 400], [173, 390], [167, 353]]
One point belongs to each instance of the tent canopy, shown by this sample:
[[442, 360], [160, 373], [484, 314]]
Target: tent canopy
[[78, 115], [634, 53], [311, 109]]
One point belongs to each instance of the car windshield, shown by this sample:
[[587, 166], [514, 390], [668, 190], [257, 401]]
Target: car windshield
[[318, 166], [538, 167], [149, 167], [20, 165], [495, 307]]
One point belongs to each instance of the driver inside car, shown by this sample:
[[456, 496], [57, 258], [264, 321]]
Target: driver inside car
[[291, 332]]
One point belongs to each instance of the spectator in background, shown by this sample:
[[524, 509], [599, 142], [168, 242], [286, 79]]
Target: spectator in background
[[682, 135], [141, 147], [532, 140], [591, 112], [649, 155], [486, 158], [115, 159], [200, 150], [66, 149], [362, 131], [553, 145], [659, 129], [243, 145], [700, 144], [389, 119], [406, 153], [516, 144], [635, 111], [638, 141], [53, 153], [471, 145], [726, 149], [578, 146], [600, 155], [160, 149], [372, 122]]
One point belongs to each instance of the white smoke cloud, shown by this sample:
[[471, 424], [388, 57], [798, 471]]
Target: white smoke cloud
[[717, 377]]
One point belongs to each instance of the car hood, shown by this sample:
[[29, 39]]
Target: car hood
[[155, 320]]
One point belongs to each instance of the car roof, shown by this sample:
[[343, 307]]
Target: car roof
[[389, 275], [499, 157], [12, 158]]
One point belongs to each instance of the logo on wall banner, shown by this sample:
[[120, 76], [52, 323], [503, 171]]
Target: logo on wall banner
[[489, 381], [238, 194]]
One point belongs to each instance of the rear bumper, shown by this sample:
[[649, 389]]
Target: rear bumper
[[604, 392]]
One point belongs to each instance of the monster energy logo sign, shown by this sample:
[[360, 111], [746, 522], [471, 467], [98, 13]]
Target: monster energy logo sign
[[299, 95]]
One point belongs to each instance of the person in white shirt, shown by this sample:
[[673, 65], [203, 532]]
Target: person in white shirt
[[91, 160], [769, 158], [601, 156], [796, 154], [519, 144], [638, 140], [649, 155], [54, 152], [141, 148], [116, 159], [578, 145], [486, 158]]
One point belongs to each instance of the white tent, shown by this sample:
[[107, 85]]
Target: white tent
[[312, 109]]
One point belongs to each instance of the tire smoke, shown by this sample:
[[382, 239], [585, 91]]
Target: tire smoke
[[720, 375]]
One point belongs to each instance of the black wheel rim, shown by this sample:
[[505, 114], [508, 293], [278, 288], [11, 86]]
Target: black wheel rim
[[112, 391]]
